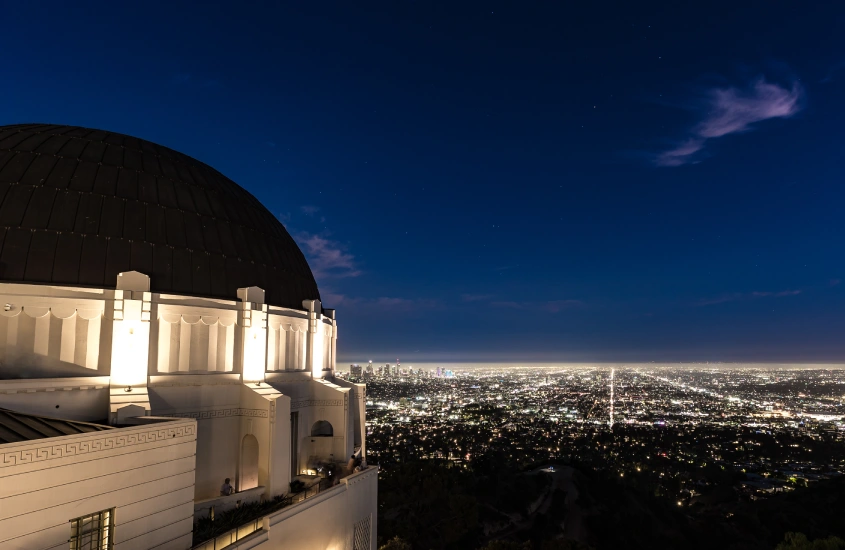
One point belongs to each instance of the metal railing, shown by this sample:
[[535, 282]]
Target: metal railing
[[256, 524], [233, 536], [307, 493]]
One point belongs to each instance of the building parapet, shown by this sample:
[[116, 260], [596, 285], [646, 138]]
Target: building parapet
[[259, 532], [31, 385], [221, 504]]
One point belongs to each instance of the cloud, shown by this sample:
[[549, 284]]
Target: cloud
[[476, 297], [681, 154], [380, 304], [327, 258], [732, 111], [510, 305], [309, 210], [335, 299], [736, 296], [555, 306], [551, 306], [833, 70], [404, 304], [776, 294]]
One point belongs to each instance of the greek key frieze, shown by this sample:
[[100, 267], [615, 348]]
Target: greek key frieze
[[218, 413], [302, 403], [93, 445]]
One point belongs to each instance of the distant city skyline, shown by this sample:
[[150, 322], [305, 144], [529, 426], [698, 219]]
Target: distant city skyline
[[475, 182], [481, 365]]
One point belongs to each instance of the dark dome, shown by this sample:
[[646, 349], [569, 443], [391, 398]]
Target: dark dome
[[79, 206]]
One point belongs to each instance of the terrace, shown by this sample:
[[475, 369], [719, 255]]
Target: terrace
[[252, 520]]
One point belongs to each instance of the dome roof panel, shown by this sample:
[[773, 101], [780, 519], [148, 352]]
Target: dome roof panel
[[78, 206]]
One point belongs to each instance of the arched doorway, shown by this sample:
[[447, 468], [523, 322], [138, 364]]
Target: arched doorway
[[322, 428], [249, 463]]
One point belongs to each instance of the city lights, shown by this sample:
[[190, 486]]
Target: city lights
[[687, 424]]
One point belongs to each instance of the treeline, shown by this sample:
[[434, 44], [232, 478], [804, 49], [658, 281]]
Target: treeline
[[435, 505]]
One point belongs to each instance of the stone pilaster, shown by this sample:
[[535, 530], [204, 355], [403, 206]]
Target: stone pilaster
[[252, 334], [313, 349], [130, 347]]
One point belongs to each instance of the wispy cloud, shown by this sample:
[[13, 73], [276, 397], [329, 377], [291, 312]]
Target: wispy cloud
[[776, 294], [382, 303], [682, 154], [309, 210], [550, 306], [405, 304], [737, 296], [833, 70], [476, 297], [730, 111], [327, 258], [334, 299]]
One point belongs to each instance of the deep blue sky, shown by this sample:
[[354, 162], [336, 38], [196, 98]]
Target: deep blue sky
[[499, 180]]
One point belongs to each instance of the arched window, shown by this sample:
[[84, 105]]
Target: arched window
[[322, 428], [249, 463]]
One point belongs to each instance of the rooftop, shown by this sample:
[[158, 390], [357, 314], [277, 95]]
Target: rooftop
[[16, 427], [78, 206]]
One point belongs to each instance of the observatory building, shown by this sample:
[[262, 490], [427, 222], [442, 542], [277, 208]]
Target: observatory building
[[160, 333]]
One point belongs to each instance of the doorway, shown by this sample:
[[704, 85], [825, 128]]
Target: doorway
[[249, 463]]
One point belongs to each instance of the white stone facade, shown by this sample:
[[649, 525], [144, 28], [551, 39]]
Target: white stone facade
[[250, 381], [145, 473]]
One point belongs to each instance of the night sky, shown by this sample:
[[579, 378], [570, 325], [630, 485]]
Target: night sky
[[510, 181]]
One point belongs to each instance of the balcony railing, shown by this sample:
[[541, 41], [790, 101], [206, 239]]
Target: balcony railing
[[232, 536], [254, 512]]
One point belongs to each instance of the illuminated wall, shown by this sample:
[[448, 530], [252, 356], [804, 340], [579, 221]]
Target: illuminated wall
[[195, 342], [58, 341], [318, 350], [286, 340], [145, 472], [130, 338], [255, 345], [328, 348], [130, 348], [352, 507]]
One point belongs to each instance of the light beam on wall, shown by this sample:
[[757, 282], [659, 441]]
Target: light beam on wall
[[317, 346], [255, 348], [130, 349]]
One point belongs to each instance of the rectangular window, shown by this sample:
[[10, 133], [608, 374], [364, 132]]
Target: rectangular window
[[93, 532]]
